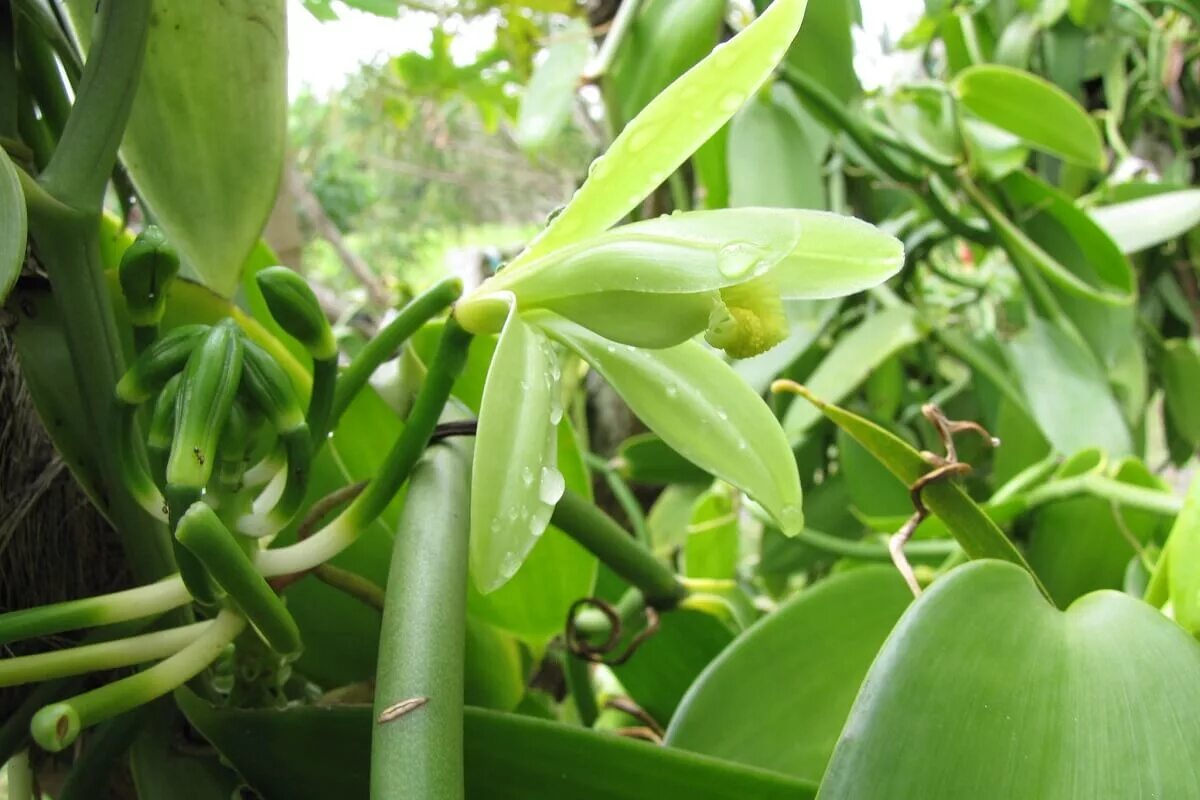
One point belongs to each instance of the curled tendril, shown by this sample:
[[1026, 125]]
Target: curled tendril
[[579, 645]]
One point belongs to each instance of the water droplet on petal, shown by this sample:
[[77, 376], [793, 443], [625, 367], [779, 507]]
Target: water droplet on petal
[[738, 259], [730, 103], [791, 518], [527, 476], [722, 414], [550, 491], [672, 390]]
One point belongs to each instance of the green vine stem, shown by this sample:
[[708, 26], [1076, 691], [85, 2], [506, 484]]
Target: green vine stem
[[57, 725], [384, 344], [144, 601], [64, 226], [17, 670], [417, 742], [620, 552], [447, 364]]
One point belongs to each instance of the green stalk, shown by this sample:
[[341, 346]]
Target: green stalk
[[579, 683], [87, 150], [417, 743], [624, 497], [384, 344], [57, 725], [875, 551], [620, 552], [447, 363], [320, 403], [97, 657], [66, 237], [144, 601], [618, 28], [19, 773]]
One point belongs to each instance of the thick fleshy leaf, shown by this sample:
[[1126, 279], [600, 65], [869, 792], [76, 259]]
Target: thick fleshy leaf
[[515, 483], [713, 537], [1068, 392], [855, 356], [205, 140], [807, 659], [508, 757], [1150, 221], [671, 128], [924, 117], [549, 97], [984, 690], [701, 409], [12, 225], [645, 458], [1039, 112]]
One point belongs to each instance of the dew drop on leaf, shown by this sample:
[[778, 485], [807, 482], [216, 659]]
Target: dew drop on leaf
[[738, 258]]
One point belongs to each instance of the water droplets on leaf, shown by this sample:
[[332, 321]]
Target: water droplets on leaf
[[552, 486], [738, 259], [527, 476]]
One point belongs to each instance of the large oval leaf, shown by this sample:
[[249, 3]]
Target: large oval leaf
[[12, 225], [514, 481], [699, 406], [671, 128], [985, 691], [808, 658], [1039, 112], [205, 140]]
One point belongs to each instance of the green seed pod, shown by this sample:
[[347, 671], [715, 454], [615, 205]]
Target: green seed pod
[[147, 269], [231, 451], [267, 387], [203, 533], [295, 307], [136, 476], [162, 428], [155, 366], [210, 383]]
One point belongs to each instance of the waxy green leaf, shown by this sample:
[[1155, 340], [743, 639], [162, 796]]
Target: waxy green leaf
[[516, 483], [701, 409], [12, 225], [1039, 112], [671, 128], [984, 690], [205, 140], [1147, 222], [808, 658], [549, 97], [508, 757]]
